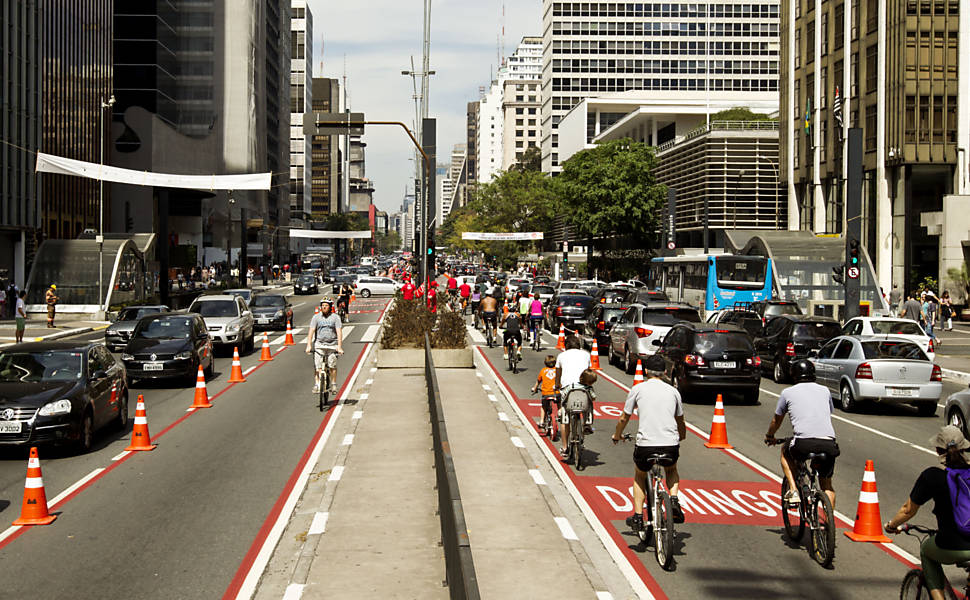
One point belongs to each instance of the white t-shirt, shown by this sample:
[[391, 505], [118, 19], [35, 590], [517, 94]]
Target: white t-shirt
[[657, 404], [573, 363], [20, 306]]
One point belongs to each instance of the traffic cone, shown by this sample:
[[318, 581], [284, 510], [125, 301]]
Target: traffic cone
[[265, 354], [594, 357], [638, 374], [718, 437], [561, 342], [140, 440], [201, 394], [288, 341], [236, 375], [868, 523], [316, 310], [33, 511]]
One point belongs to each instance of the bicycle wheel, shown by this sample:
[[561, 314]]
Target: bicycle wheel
[[663, 531], [913, 587], [794, 523], [823, 529], [322, 396], [576, 439]]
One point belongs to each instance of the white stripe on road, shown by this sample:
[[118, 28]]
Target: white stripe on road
[[517, 442], [492, 398], [368, 382], [537, 477], [604, 596], [475, 334], [294, 591], [364, 396], [249, 370], [371, 334], [336, 473], [319, 524], [77, 484], [120, 456], [503, 417], [565, 528], [348, 440], [357, 414]]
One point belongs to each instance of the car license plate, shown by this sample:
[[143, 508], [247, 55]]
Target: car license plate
[[718, 364], [153, 366], [262, 321], [10, 427], [896, 392]]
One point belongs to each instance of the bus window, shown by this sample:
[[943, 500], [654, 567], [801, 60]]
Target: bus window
[[740, 272]]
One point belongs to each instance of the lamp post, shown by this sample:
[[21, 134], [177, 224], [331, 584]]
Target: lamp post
[[105, 105]]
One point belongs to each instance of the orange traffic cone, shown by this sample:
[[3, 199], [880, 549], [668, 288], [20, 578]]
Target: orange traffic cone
[[638, 374], [34, 509], [265, 354], [594, 357], [561, 342], [868, 523], [236, 375], [140, 440], [718, 437], [201, 394], [288, 340], [316, 310]]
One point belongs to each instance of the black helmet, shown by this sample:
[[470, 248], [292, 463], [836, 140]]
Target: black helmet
[[802, 370]]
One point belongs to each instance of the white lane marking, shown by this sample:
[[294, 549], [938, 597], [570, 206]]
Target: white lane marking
[[249, 370], [336, 473], [77, 484], [348, 440], [294, 591], [486, 388], [373, 369], [537, 477], [479, 373], [347, 331], [565, 528], [123, 454], [357, 414], [190, 409], [369, 381], [319, 524], [475, 334], [503, 417], [517, 442], [604, 596], [364, 396], [371, 334], [492, 398]]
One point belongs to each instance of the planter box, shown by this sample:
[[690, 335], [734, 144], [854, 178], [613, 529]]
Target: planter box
[[413, 358]]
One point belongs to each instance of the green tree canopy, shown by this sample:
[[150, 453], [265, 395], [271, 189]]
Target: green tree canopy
[[531, 160], [740, 113]]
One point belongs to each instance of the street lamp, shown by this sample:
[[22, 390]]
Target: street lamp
[[105, 105]]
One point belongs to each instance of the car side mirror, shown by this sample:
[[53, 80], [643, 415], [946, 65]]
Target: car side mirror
[[99, 374], [613, 319], [656, 342]]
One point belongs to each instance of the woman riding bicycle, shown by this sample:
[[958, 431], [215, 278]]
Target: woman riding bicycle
[[343, 300], [949, 545], [535, 315]]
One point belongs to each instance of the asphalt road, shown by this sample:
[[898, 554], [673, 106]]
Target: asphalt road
[[733, 543], [179, 521]]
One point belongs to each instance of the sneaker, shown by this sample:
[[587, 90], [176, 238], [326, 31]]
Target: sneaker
[[316, 388], [635, 522], [333, 388], [505, 356], [677, 510]]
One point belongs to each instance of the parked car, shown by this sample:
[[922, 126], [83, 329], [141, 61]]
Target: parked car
[[645, 296], [746, 319], [377, 286], [902, 328], [566, 310], [787, 338], [271, 310], [599, 321], [631, 338], [169, 345], [118, 333], [769, 309], [306, 284], [228, 320], [956, 411], [879, 369], [60, 393], [339, 280], [615, 295], [244, 293], [703, 357]]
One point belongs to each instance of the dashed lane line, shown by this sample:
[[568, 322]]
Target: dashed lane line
[[348, 440], [565, 528], [537, 477], [517, 442], [336, 473], [503, 417], [319, 524], [370, 335], [357, 414], [294, 591]]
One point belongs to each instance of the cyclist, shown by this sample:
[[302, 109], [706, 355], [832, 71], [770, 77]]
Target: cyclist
[[464, 291], [513, 331], [523, 302], [660, 431], [452, 286], [571, 364], [326, 341], [535, 316], [476, 302], [489, 312], [949, 545], [809, 406], [546, 383], [343, 301]]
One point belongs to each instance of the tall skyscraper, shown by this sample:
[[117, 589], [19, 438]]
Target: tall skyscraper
[[325, 170], [301, 101]]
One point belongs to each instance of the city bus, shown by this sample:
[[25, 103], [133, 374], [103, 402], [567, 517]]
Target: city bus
[[712, 282]]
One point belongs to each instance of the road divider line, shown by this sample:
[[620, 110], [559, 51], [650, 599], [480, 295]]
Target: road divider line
[[475, 334], [565, 528], [294, 591], [604, 596], [76, 485], [517, 442], [357, 414], [319, 523], [371, 334], [537, 477], [492, 398], [348, 440], [250, 370], [123, 454], [369, 381], [336, 473], [364, 396], [503, 417]]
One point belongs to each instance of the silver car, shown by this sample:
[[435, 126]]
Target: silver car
[[228, 319], [632, 336], [957, 410], [881, 369], [117, 334]]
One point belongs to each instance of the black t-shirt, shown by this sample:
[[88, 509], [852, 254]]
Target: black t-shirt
[[932, 484], [513, 324]]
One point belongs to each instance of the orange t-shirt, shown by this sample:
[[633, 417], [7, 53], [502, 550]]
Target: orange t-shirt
[[547, 381]]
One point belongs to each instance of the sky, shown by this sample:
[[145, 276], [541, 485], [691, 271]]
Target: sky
[[379, 37]]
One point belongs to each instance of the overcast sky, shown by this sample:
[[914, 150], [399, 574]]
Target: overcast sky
[[379, 37]]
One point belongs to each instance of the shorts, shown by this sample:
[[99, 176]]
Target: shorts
[[512, 335], [321, 353], [21, 323], [799, 449], [490, 317], [645, 456]]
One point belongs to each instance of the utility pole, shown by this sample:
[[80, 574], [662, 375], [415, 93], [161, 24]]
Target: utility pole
[[853, 222]]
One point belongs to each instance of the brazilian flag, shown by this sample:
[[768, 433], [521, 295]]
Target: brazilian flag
[[808, 116]]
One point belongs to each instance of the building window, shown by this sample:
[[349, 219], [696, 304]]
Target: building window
[[938, 125], [810, 42], [798, 48], [951, 119], [870, 128], [854, 9], [839, 26], [872, 68], [909, 121], [872, 15], [796, 145], [823, 96], [797, 99], [823, 142], [825, 33], [854, 75]]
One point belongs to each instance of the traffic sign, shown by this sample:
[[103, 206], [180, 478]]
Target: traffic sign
[[671, 245], [852, 272]]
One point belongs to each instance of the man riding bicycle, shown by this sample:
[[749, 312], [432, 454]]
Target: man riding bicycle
[[476, 298], [326, 341], [571, 364], [343, 300], [489, 312], [523, 304], [809, 407], [464, 291], [660, 431], [513, 331]]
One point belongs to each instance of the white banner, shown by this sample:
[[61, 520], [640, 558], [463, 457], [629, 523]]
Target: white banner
[[505, 237], [332, 235], [47, 163]]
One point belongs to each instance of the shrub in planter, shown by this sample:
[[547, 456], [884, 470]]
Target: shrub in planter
[[408, 320], [449, 332]]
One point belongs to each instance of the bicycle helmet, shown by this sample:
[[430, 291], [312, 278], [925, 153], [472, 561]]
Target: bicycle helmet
[[327, 301], [802, 370]]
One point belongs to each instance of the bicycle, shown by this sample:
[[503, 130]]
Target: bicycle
[[658, 516], [914, 584], [342, 312], [489, 332], [324, 391], [550, 423], [814, 508], [576, 405], [512, 349], [534, 331]]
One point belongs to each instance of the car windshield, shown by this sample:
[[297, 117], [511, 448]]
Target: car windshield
[[346, 279], [307, 279], [215, 308], [32, 367], [133, 314], [896, 328], [609, 313], [276, 301], [773, 310], [720, 342], [575, 300], [818, 331], [891, 349], [670, 316], [164, 329]]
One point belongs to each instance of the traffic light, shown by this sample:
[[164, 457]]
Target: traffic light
[[565, 257], [853, 252], [431, 256], [838, 274]]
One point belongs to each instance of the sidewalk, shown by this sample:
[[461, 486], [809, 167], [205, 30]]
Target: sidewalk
[[37, 330]]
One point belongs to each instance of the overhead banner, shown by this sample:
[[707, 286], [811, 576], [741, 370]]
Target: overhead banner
[[503, 237], [330, 235], [48, 163]]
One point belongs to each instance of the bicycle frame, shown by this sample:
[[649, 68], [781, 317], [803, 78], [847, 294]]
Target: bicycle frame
[[914, 582]]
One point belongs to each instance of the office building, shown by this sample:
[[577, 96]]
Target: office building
[[301, 101], [326, 154], [521, 103], [361, 188], [471, 140]]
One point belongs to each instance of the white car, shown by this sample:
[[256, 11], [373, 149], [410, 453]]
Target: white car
[[228, 319], [891, 326], [376, 286]]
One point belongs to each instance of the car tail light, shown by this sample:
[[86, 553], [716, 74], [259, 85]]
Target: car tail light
[[753, 361], [602, 300], [643, 332], [559, 311], [790, 349], [937, 374], [601, 326], [694, 360], [931, 347], [722, 331], [863, 371]]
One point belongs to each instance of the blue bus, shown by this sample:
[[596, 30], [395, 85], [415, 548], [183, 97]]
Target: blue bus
[[712, 282]]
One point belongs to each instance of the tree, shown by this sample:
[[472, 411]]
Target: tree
[[387, 243], [740, 113], [531, 160]]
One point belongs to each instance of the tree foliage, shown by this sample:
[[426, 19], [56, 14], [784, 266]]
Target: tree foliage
[[531, 160], [740, 113]]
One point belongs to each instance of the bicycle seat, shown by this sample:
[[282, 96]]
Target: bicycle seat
[[664, 460], [816, 455]]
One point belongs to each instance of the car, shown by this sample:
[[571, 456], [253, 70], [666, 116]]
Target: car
[[746, 319], [169, 345], [645, 296], [896, 327], [377, 286], [244, 293], [271, 310], [60, 392], [599, 321], [566, 310], [789, 337], [513, 285], [306, 284], [631, 337], [956, 411], [339, 280], [545, 292], [769, 309], [615, 295], [712, 358], [118, 333], [878, 369], [543, 279], [228, 320]]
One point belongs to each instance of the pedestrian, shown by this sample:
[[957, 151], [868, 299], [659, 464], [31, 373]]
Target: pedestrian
[[911, 309], [51, 299], [894, 298], [946, 311], [3, 303], [930, 312], [21, 316]]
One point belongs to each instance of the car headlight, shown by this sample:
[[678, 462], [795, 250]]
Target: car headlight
[[60, 407], [232, 328], [187, 355], [125, 356], [279, 314]]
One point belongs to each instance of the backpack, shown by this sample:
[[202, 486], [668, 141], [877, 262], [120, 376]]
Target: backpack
[[958, 480]]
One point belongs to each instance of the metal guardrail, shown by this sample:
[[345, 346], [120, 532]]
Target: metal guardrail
[[459, 567], [721, 126]]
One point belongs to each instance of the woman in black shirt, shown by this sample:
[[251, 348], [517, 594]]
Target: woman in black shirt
[[949, 545]]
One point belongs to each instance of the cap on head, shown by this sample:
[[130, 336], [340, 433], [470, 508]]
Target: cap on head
[[950, 436]]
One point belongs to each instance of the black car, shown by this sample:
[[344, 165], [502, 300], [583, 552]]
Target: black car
[[169, 345], [788, 338], [769, 309], [60, 392], [567, 310], [339, 280], [746, 319], [118, 333], [306, 284], [271, 311], [599, 321], [645, 296], [704, 357], [612, 295]]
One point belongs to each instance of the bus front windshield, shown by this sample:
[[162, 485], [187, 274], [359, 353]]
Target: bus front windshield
[[746, 272]]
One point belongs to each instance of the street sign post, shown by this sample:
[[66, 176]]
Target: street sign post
[[853, 272], [332, 123]]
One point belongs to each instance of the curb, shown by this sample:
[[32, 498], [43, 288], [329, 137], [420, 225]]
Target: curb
[[956, 375]]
